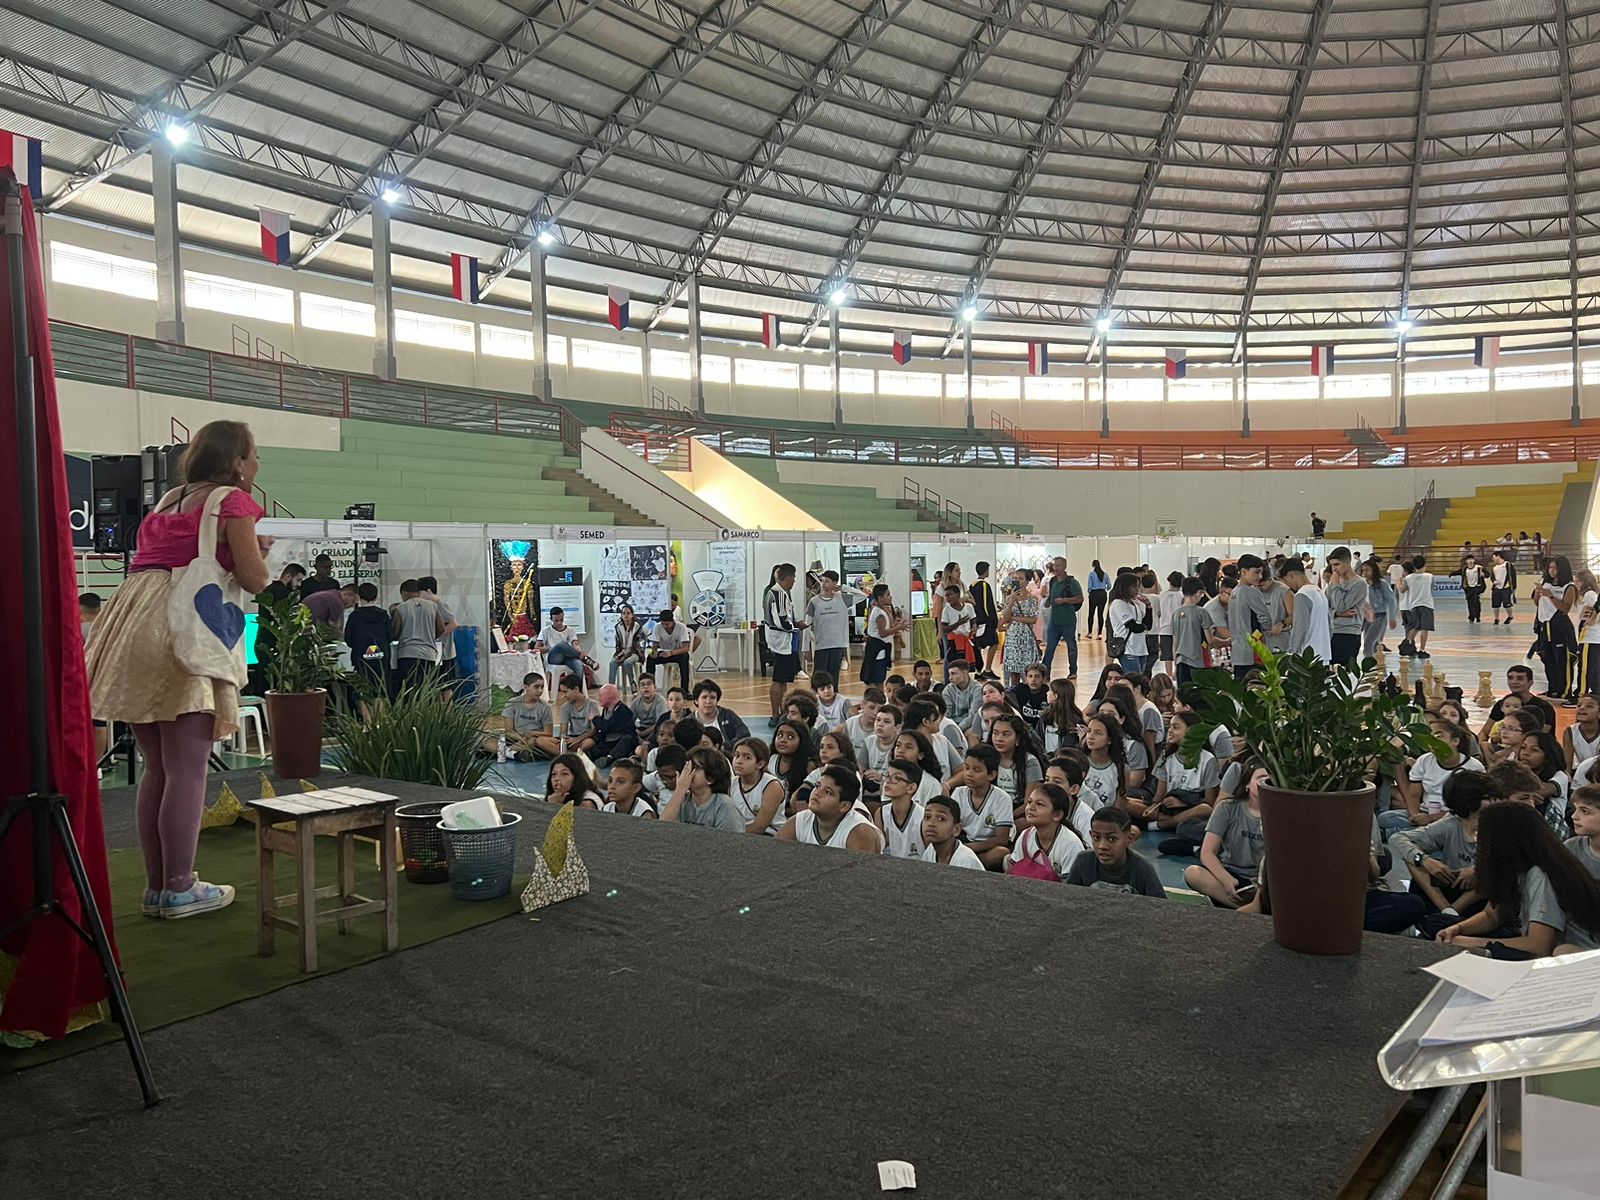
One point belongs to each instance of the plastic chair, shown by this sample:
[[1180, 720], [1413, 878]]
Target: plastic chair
[[250, 717]]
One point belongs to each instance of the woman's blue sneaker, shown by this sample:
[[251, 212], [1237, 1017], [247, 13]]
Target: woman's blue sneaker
[[200, 898], [150, 906]]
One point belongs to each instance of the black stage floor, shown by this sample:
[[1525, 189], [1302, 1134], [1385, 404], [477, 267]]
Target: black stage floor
[[1007, 1037]]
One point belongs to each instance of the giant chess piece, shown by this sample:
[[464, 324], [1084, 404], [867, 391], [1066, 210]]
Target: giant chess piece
[[1485, 696], [1382, 657], [1405, 675]]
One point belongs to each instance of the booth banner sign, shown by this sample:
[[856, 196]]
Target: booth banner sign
[[858, 539], [347, 564], [583, 533], [739, 535], [1166, 526], [1030, 539], [366, 531], [958, 539], [729, 559]]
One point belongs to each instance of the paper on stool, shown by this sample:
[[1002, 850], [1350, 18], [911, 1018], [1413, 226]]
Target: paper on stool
[[894, 1175]]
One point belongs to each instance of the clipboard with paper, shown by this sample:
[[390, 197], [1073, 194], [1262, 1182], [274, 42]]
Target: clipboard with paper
[[1488, 1020]]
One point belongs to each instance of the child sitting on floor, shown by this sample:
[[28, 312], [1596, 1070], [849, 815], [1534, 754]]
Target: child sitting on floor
[[1230, 855], [1539, 899], [1067, 770], [793, 756], [570, 781], [1586, 828], [985, 810], [875, 753], [1103, 746], [900, 818], [833, 710], [832, 819], [1048, 845], [1114, 867], [861, 728], [941, 836], [625, 789], [701, 795], [1019, 766], [648, 708], [1184, 795], [1441, 856], [755, 792], [658, 783]]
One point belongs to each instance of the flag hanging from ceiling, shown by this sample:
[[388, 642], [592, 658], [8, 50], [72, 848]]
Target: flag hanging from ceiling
[[902, 346], [771, 331], [1486, 351], [274, 236], [25, 156], [1177, 364], [617, 307], [1322, 360], [1038, 358], [464, 278]]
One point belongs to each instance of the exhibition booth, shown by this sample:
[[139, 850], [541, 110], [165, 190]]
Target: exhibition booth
[[501, 581]]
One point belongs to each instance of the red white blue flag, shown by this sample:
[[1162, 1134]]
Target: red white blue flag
[[901, 349], [25, 156], [1486, 352], [771, 331], [1322, 360], [464, 278], [1177, 364], [617, 307], [1038, 358], [274, 236]]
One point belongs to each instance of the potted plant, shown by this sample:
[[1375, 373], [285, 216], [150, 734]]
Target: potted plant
[[301, 662], [418, 736], [1320, 732]]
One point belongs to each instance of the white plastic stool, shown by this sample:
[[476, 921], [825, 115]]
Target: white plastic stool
[[249, 715]]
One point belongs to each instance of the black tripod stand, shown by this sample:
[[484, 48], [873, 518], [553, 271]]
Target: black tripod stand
[[49, 826]]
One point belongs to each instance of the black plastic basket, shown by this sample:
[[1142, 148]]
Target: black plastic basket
[[482, 860], [422, 847]]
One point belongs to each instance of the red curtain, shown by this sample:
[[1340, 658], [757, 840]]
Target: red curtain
[[57, 973]]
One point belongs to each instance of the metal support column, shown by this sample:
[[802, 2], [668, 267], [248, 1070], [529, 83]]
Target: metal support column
[[1400, 379], [1105, 375], [697, 383], [1577, 373], [384, 364], [966, 366], [169, 268], [539, 314], [838, 393], [1244, 384]]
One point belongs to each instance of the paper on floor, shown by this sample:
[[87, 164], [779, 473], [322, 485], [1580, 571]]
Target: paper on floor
[[1558, 994], [894, 1175], [1487, 977]]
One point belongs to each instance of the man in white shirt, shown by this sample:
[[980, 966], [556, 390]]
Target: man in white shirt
[[1311, 626], [828, 615], [671, 642], [1417, 601]]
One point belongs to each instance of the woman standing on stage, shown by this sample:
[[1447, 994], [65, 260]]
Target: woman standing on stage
[[135, 671]]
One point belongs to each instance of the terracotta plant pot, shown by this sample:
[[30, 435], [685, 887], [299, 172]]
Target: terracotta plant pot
[[295, 722], [1317, 849]]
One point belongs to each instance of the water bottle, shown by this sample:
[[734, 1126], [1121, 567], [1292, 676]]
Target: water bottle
[[501, 755]]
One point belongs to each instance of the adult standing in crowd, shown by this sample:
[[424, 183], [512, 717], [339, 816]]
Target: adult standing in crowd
[[828, 615], [782, 633], [1099, 591], [1347, 608], [985, 617], [418, 626], [1063, 598], [1382, 612], [1557, 596], [322, 578], [286, 584], [1018, 611], [137, 660]]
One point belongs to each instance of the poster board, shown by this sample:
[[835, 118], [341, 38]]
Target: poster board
[[636, 573], [730, 558]]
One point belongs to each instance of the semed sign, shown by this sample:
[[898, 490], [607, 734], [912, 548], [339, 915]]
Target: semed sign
[[573, 533]]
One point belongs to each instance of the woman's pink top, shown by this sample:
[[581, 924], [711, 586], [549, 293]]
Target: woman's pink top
[[169, 540]]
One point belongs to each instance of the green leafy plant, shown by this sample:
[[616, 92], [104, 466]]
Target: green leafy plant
[[1314, 727], [419, 736], [299, 655]]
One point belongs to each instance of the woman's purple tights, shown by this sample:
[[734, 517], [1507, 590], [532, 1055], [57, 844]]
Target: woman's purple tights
[[172, 796]]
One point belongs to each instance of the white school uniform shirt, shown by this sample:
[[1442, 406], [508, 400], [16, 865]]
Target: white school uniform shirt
[[1585, 748], [805, 828], [1419, 589], [833, 714], [873, 755], [641, 808], [749, 803], [906, 842], [1585, 772], [981, 822], [1119, 614], [1100, 786], [1428, 773], [1167, 603], [1591, 631], [1311, 624], [1065, 848], [961, 856], [1501, 573], [653, 785], [859, 735]]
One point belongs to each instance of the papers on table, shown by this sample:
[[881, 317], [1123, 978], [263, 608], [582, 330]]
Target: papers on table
[[1486, 977], [894, 1175], [1561, 994], [324, 800]]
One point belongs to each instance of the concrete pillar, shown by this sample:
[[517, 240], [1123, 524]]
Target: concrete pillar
[[697, 383], [966, 366], [838, 394], [540, 319], [384, 364]]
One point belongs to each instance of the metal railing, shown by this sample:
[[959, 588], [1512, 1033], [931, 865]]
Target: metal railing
[[947, 510], [666, 451], [1407, 542], [124, 360]]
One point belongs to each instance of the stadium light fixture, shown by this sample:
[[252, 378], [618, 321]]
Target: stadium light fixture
[[176, 133], [969, 314]]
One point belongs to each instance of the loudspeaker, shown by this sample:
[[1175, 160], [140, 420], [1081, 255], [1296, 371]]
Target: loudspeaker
[[158, 471], [115, 482]]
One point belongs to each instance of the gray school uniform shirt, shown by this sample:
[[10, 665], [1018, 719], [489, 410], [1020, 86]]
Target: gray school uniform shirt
[[418, 637], [645, 716], [1240, 831], [1190, 624], [1445, 839], [577, 720], [1276, 602], [718, 813], [525, 719], [1351, 594], [1247, 605], [1580, 847], [830, 622]]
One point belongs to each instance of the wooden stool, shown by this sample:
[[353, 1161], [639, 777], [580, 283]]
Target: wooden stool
[[375, 820]]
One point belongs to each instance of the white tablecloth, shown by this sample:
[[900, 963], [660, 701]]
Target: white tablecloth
[[507, 670]]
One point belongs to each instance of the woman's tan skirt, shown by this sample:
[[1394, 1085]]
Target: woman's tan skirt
[[133, 674]]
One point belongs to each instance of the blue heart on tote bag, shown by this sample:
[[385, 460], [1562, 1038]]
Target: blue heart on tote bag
[[224, 619]]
